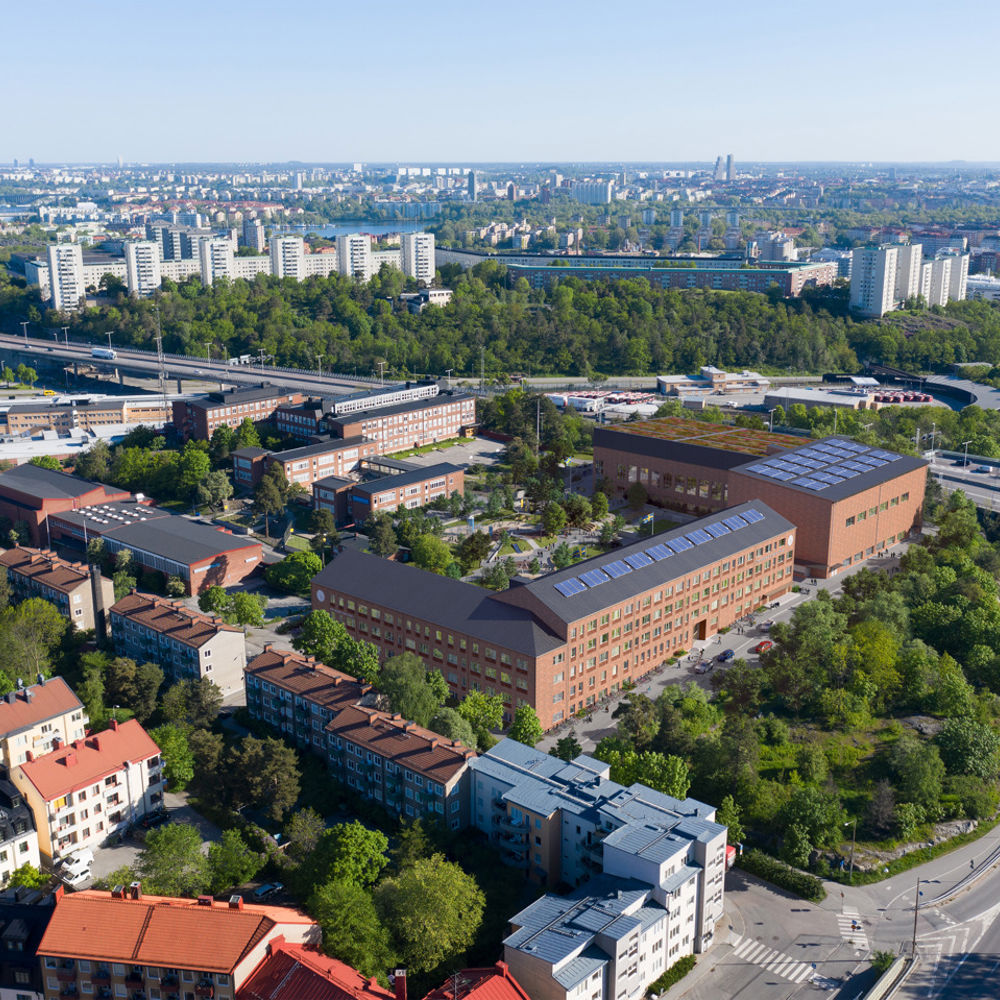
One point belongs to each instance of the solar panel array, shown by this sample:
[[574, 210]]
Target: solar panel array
[[819, 466], [656, 553]]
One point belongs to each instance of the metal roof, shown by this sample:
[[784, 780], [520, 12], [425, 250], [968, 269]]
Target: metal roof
[[419, 475], [179, 539], [425, 403]]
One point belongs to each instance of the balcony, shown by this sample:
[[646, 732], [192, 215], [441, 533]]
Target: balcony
[[134, 980], [66, 973], [204, 989], [69, 990], [101, 977], [169, 980], [506, 823]]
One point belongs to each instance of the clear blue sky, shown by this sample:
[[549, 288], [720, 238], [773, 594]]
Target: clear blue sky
[[470, 81]]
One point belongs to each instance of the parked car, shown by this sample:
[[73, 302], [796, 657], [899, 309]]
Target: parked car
[[76, 861], [726, 655], [765, 626], [267, 890], [703, 666], [763, 646], [74, 879], [154, 819]]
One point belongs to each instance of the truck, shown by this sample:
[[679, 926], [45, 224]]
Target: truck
[[104, 353]]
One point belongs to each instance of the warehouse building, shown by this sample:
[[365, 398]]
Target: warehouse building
[[564, 640]]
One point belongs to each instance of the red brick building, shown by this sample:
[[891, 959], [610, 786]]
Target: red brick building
[[306, 465], [564, 640], [199, 417]]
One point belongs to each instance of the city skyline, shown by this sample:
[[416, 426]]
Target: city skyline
[[673, 87]]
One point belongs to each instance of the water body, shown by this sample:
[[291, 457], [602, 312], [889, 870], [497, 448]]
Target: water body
[[371, 226]]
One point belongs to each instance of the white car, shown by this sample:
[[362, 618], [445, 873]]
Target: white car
[[76, 877], [77, 862]]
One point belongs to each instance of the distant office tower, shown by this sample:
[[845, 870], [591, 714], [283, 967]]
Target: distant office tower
[[720, 171], [593, 192], [732, 219], [511, 192], [417, 256], [730, 168], [676, 218], [142, 267], [909, 269], [473, 196], [216, 259], [66, 276], [288, 257], [354, 256], [253, 234], [873, 280], [298, 181]]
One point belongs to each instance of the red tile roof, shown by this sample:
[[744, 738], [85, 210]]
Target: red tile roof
[[45, 567], [171, 618], [160, 931], [309, 679], [494, 983], [84, 762], [295, 972], [25, 709]]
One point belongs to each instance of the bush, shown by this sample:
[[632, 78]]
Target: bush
[[674, 974], [881, 960], [777, 872]]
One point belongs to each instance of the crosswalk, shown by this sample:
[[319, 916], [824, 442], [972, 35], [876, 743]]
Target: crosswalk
[[849, 922], [773, 961]]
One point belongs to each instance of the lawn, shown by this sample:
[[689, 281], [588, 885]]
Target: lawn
[[298, 543]]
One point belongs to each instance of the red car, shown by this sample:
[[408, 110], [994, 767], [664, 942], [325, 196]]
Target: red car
[[763, 646]]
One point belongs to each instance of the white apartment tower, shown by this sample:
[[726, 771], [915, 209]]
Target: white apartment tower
[[142, 267], [873, 280], [216, 257], [354, 256], [288, 257], [937, 280], [253, 234], [417, 255], [909, 262], [66, 276]]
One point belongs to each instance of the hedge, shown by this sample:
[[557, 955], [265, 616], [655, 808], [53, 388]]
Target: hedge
[[674, 974], [771, 870]]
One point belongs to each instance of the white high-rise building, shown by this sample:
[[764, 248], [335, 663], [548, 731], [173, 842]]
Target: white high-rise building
[[417, 256], [354, 256], [909, 262], [958, 285], [873, 280], [216, 258], [288, 257], [66, 276], [593, 192], [937, 280], [142, 267], [253, 234]]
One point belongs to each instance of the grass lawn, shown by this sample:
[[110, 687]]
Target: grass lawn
[[427, 448], [507, 550], [298, 543]]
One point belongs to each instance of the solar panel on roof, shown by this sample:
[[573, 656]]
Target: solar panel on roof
[[785, 476], [569, 587], [809, 453], [852, 445], [811, 484], [827, 478], [680, 544], [752, 516], [810, 463], [594, 577], [887, 455], [698, 536], [876, 462], [761, 470], [735, 522], [857, 466], [659, 552], [841, 470], [766, 470], [617, 569], [637, 560], [716, 529]]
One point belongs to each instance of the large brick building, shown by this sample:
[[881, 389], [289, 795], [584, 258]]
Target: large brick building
[[199, 417], [76, 415], [849, 501], [305, 465], [561, 642]]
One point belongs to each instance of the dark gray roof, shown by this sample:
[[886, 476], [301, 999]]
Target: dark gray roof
[[249, 395], [49, 485], [833, 468], [450, 603], [102, 517], [179, 539], [250, 452], [407, 478], [320, 448], [635, 579], [333, 482], [442, 399]]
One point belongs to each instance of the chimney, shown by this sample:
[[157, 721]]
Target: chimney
[[114, 724], [275, 944], [28, 694], [58, 892], [56, 742], [399, 983], [434, 744], [204, 900], [70, 759], [236, 902], [11, 697], [135, 890], [29, 756], [41, 679], [268, 646], [118, 892]]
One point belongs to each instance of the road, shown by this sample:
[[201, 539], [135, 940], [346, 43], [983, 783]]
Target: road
[[182, 367], [983, 488]]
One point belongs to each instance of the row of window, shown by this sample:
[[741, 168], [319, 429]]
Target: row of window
[[875, 511]]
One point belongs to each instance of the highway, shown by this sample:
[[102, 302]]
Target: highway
[[183, 367], [983, 488]]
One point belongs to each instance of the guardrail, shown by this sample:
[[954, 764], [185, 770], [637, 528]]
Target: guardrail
[[892, 978]]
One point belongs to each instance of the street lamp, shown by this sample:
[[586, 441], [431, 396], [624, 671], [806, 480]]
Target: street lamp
[[966, 461], [854, 840], [916, 911], [770, 419]]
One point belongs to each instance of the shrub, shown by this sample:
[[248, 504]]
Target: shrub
[[777, 872], [674, 974], [881, 960]]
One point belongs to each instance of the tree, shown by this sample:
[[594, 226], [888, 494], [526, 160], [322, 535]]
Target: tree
[[919, 772], [578, 510], [322, 522], [430, 552], [231, 862], [294, 573], [215, 601], [412, 844], [403, 680], [267, 500], [248, 609], [221, 444], [638, 720], [728, 814], [881, 812], [265, 774], [27, 876], [567, 748], [599, 505], [351, 927], [178, 761], [319, 636], [46, 462], [553, 519], [526, 728], [449, 723], [347, 852], [382, 536], [207, 749], [196, 702], [192, 468], [969, 747], [562, 556], [172, 863], [218, 489], [90, 690], [637, 496], [175, 587], [432, 911], [812, 763], [246, 435], [302, 832]]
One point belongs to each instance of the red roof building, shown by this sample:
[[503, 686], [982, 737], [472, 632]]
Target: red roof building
[[493, 983]]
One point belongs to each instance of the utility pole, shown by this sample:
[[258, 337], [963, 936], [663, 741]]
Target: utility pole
[[965, 462], [482, 367], [161, 366], [24, 326], [381, 372], [263, 357], [109, 340], [65, 331]]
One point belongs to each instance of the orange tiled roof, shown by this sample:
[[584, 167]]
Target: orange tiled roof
[[84, 762], [306, 677], [160, 930], [25, 709], [171, 618], [45, 567], [295, 972], [494, 983]]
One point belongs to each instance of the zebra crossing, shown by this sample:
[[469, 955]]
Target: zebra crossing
[[849, 922], [773, 961]]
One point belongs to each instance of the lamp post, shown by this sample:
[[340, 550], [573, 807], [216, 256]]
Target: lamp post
[[854, 840], [916, 911], [965, 461], [24, 326], [770, 419]]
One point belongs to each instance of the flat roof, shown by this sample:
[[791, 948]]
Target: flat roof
[[320, 448], [213, 400], [179, 539], [832, 468], [724, 437], [48, 485], [102, 517], [427, 403], [393, 482]]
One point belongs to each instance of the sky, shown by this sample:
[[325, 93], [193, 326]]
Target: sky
[[473, 82]]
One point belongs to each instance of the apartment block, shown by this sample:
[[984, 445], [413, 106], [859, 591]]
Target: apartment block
[[25, 914], [302, 420], [417, 256], [142, 267], [79, 591], [34, 719], [83, 415], [566, 639], [405, 490], [873, 280], [288, 257], [66, 279], [18, 841], [397, 764], [83, 792], [162, 946], [188, 645], [201, 416]]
